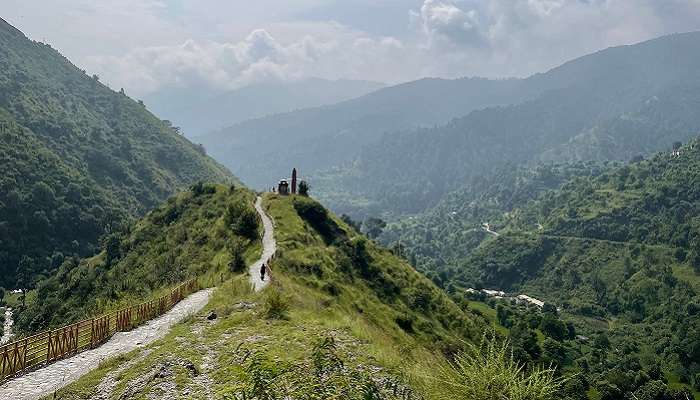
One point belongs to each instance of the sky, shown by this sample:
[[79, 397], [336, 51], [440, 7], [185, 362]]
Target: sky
[[150, 46]]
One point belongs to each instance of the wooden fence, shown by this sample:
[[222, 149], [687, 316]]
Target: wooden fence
[[44, 348]]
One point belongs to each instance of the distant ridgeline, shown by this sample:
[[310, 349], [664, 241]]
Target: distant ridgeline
[[77, 159], [609, 106]]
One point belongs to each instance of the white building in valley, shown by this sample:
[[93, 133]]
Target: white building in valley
[[525, 299]]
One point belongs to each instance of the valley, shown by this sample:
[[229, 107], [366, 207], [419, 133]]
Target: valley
[[442, 236]]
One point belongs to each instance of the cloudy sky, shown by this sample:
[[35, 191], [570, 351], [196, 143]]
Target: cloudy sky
[[150, 45]]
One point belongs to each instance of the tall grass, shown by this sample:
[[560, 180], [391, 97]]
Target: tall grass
[[488, 371]]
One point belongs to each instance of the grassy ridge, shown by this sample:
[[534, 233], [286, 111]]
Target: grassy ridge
[[195, 234], [323, 329]]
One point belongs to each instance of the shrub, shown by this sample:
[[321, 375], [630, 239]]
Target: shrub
[[243, 220], [276, 306], [237, 263], [317, 216], [489, 372], [303, 188]]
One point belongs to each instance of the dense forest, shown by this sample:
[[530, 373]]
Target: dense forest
[[78, 159]]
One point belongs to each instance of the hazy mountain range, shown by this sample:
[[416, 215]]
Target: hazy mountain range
[[200, 110], [368, 150]]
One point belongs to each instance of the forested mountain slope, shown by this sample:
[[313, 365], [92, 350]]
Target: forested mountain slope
[[611, 105], [617, 251], [454, 227], [76, 159], [201, 113], [260, 151]]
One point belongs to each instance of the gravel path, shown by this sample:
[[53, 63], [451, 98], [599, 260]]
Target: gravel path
[[269, 249], [45, 381], [7, 327]]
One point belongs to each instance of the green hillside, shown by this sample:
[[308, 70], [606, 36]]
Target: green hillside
[[209, 232], [616, 252], [343, 317], [77, 160]]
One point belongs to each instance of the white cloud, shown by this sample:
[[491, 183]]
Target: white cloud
[[259, 57], [520, 37], [147, 45], [443, 22]]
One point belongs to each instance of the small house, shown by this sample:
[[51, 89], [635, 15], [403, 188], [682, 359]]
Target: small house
[[283, 187]]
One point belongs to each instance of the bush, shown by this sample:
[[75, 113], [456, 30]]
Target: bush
[[237, 263], [276, 306], [317, 216], [489, 371], [243, 220], [303, 188]]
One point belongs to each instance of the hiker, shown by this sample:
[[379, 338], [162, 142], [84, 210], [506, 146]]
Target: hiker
[[262, 272]]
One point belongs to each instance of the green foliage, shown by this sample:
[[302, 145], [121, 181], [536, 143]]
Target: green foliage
[[317, 216], [303, 188], [276, 305], [360, 275], [186, 237], [488, 371], [444, 235], [373, 227], [78, 160], [243, 220], [236, 251]]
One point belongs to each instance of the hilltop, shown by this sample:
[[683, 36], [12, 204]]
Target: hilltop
[[342, 316], [78, 159]]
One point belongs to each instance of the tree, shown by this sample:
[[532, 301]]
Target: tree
[[243, 220], [112, 246], [24, 274], [348, 220], [553, 327], [237, 263], [374, 227], [554, 351], [303, 188], [525, 345]]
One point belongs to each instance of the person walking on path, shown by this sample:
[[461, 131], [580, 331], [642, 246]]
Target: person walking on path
[[263, 269]]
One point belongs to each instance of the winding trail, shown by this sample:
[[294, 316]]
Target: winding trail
[[487, 227], [269, 249], [45, 381]]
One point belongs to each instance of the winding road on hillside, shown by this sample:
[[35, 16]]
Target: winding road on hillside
[[45, 381], [269, 249], [487, 227]]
